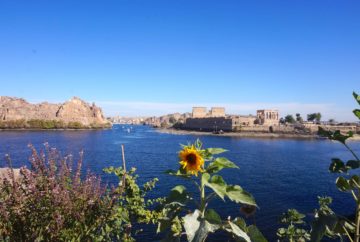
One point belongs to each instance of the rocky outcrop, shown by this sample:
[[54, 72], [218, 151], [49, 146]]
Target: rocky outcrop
[[74, 110]]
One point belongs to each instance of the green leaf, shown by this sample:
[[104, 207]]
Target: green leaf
[[219, 164], [322, 224], [341, 224], [281, 232], [239, 195], [204, 229], [357, 97], [354, 181], [234, 192], [353, 164], [215, 151], [197, 229], [198, 144], [178, 195], [180, 173], [237, 232], [240, 222], [216, 183], [255, 234], [191, 224], [335, 135], [343, 184], [212, 216], [337, 166], [292, 216], [357, 113]]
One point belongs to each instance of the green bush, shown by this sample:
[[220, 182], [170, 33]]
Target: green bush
[[48, 124], [13, 124], [75, 125], [100, 126], [45, 124]]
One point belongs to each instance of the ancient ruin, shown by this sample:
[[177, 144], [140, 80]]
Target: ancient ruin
[[268, 117], [216, 119]]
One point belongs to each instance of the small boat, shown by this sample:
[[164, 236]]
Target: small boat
[[218, 132], [321, 137]]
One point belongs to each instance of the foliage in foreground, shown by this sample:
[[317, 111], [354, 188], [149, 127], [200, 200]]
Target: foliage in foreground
[[50, 202], [326, 222], [201, 167], [330, 224]]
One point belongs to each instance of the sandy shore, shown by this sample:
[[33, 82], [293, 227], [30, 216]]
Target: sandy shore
[[242, 134], [245, 134]]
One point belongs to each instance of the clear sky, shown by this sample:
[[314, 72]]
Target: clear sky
[[155, 57]]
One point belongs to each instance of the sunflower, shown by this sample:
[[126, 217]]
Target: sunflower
[[191, 159]]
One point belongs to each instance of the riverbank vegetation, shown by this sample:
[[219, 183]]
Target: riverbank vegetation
[[48, 124]]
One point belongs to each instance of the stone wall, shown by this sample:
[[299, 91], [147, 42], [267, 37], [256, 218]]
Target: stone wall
[[240, 121], [217, 112], [343, 128], [199, 112], [209, 124], [268, 129]]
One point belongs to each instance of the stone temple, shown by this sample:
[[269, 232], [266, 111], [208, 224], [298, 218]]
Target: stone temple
[[215, 119]]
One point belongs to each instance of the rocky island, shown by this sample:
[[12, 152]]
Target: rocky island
[[17, 113], [265, 124]]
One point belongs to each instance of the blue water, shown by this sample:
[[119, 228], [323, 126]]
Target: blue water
[[280, 173]]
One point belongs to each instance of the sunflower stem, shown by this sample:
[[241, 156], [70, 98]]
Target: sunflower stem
[[202, 198]]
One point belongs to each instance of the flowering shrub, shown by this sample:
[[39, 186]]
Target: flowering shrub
[[202, 167], [50, 202]]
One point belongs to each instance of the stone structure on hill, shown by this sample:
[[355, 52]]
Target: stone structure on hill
[[74, 110]]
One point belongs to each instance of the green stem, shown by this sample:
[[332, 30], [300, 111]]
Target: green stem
[[196, 184], [357, 220], [347, 234], [202, 198], [352, 152], [210, 196]]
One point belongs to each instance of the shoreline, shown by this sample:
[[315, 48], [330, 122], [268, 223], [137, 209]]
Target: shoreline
[[62, 129], [246, 134]]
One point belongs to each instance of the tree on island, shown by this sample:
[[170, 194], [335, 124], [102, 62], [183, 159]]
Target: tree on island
[[299, 118], [282, 121], [332, 121], [289, 119], [172, 120], [314, 117]]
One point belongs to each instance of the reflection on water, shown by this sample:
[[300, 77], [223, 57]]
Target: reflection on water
[[280, 173]]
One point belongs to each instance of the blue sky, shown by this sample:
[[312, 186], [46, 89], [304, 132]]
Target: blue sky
[[155, 57]]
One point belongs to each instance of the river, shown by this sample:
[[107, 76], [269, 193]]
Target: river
[[280, 173]]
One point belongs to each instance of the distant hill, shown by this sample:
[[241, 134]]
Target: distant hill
[[74, 113], [167, 120]]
